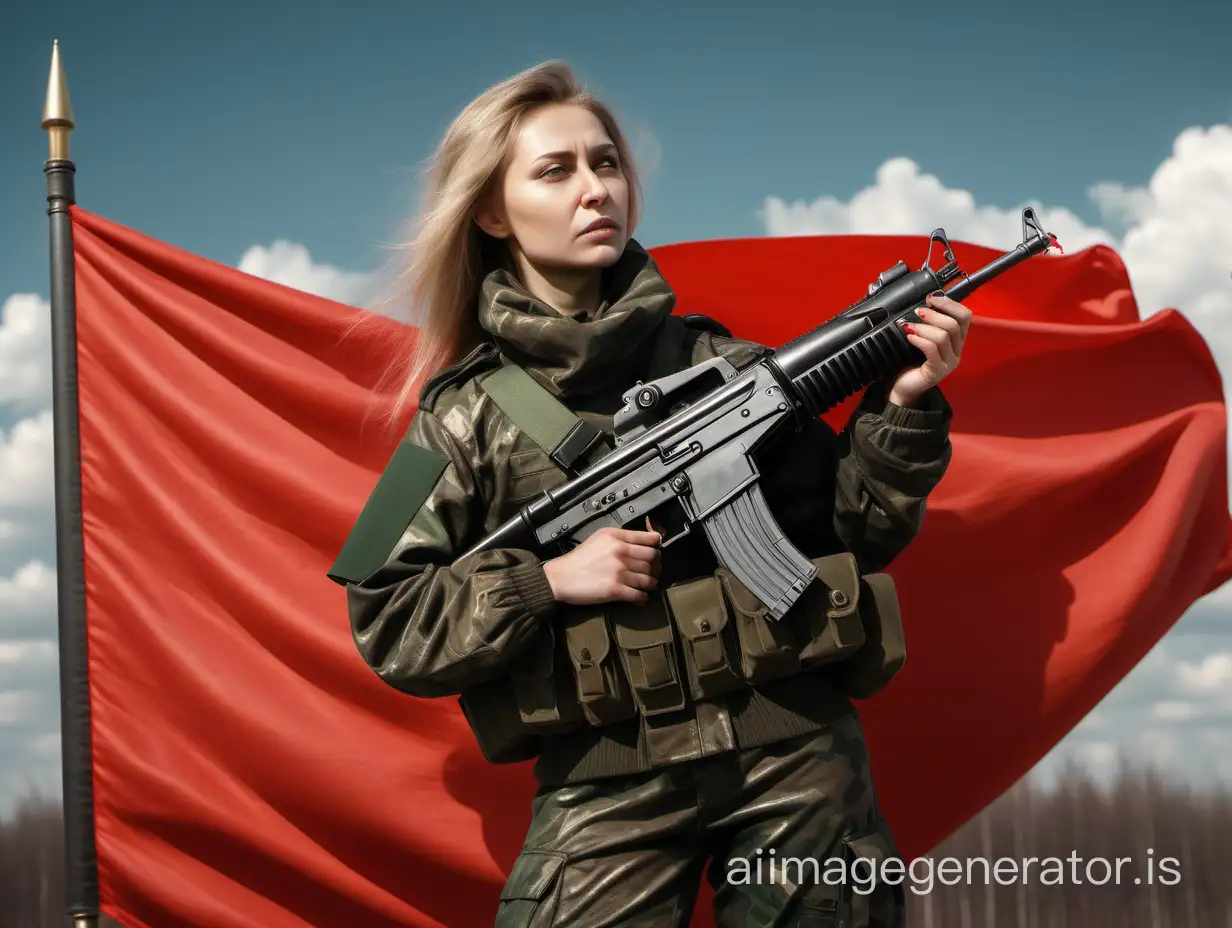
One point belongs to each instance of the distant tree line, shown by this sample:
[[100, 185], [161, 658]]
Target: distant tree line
[[1174, 839], [1174, 844]]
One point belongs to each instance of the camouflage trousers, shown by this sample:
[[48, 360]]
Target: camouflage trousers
[[788, 835]]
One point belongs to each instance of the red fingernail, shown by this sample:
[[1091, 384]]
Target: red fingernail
[[908, 329]]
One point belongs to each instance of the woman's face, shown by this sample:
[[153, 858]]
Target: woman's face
[[564, 174]]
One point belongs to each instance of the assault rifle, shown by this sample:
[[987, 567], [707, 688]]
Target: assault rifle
[[689, 437]]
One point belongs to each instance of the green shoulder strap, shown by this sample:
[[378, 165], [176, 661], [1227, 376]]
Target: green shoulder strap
[[552, 425], [409, 477], [547, 421]]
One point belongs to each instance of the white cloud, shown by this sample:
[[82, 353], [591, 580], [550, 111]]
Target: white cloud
[[1211, 677], [25, 346], [905, 201], [26, 464], [31, 587], [1122, 206], [1179, 247], [1175, 710], [28, 603], [1174, 235], [290, 264], [27, 653]]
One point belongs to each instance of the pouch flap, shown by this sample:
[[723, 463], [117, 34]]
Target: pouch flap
[[532, 875], [873, 845], [698, 607], [841, 576], [640, 626], [586, 635], [645, 631]]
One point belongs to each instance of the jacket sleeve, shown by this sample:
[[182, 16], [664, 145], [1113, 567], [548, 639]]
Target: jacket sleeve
[[889, 458], [432, 623]]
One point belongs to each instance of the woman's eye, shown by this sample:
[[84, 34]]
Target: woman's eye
[[557, 170]]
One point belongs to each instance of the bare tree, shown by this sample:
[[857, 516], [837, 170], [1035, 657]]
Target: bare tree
[[32, 865], [1115, 853]]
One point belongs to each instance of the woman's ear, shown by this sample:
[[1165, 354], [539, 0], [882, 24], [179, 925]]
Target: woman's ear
[[491, 219]]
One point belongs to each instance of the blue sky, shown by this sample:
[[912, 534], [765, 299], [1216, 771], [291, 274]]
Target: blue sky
[[217, 125], [226, 128]]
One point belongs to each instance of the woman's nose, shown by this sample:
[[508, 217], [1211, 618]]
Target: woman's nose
[[595, 192]]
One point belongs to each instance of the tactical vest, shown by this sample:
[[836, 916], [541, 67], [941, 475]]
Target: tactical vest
[[696, 639]]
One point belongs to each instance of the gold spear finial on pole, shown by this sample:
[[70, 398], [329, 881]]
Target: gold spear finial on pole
[[58, 111]]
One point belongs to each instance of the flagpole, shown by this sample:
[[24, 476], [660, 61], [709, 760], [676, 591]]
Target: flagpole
[[81, 864]]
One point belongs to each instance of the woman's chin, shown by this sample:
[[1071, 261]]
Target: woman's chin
[[583, 256], [601, 253]]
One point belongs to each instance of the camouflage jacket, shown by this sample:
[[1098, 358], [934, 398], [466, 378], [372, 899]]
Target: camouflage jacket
[[433, 624]]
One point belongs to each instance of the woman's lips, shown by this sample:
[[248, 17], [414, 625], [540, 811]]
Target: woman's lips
[[602, 233]]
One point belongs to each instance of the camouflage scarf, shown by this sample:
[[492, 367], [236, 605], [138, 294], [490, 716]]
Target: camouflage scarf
[[589, 353]]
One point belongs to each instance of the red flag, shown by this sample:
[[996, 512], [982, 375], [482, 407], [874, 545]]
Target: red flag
[[250, 770]]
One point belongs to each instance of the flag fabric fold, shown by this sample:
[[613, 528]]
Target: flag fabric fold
[[250, 770]]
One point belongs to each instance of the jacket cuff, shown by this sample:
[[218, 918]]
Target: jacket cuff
[[533, 587], [929, 414], [918, 434]]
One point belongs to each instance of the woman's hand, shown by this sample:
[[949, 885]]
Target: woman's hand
[[941, 339], [612, 564]]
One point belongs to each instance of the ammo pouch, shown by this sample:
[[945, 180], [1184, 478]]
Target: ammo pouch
[[707, 637], [600, 664], [603, 689], [621, 660], [509, 713], [647, 645], [545, 701], [842, 619], [618, 659], [884, 650]]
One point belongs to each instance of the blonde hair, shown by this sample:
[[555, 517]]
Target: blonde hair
[[448, 255]]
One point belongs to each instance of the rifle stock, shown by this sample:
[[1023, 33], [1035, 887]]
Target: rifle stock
[[691, 436]]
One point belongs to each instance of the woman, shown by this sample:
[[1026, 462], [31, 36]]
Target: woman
[[524, 250]]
